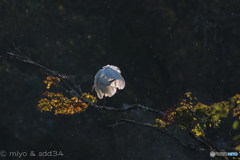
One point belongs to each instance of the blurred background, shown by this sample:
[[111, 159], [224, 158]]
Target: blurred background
[[163, 48]]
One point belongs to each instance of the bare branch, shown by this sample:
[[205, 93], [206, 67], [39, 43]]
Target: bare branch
[[163, 131]]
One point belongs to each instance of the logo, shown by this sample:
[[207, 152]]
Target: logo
[[212, 154], [3, 153]]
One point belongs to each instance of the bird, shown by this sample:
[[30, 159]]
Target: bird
[[107, 81]]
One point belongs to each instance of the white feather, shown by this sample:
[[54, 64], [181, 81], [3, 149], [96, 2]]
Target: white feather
[[107, 80]]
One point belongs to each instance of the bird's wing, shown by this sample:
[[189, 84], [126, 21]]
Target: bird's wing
[[97, 76], [108, 91], [120, 83], [99, 92], [97, 83], [112, 67], [115, 75], [111, 73]]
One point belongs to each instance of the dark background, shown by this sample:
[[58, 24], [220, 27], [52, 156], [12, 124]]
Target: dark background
[[163, 48]]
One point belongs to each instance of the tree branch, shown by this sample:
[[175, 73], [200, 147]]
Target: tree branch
[[206, 140], [73, 92], [165, 132]]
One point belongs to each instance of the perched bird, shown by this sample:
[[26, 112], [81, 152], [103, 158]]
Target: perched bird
[[107, 80]]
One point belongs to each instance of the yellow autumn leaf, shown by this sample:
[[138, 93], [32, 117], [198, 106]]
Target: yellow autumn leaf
[[235, 124]]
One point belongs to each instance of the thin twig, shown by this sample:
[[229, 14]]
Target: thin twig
[[165, 132]]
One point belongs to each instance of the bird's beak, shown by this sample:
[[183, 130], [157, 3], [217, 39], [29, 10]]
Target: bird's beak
[[112, 80]]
